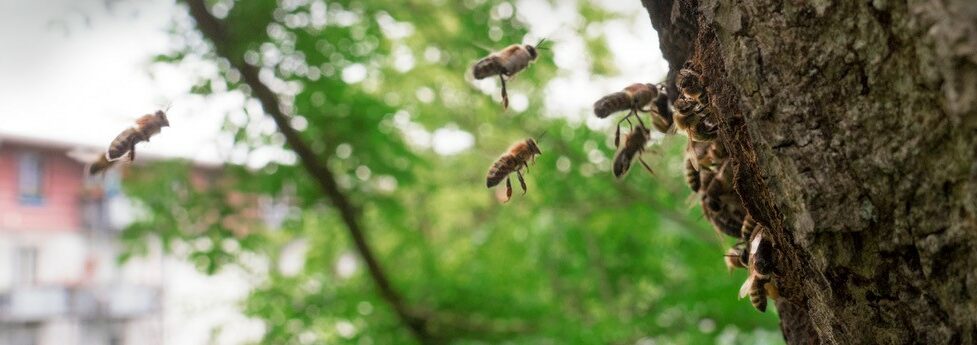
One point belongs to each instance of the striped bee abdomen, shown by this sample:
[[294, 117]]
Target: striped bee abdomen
[[123, 144], [500, 169], [487, 67], [758, 294], [615, 102], [692, 175]]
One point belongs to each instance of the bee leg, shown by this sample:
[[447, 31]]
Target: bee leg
[[617, 133], [522, 182], [505, 94], [647, 167], [634, 112], [132, 153], [508, 189]]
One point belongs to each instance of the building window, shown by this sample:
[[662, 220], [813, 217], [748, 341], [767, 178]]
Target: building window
[[25, 272], [30, 179]]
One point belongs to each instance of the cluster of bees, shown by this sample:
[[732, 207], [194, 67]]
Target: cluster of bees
[[708, 172], [708, 169]]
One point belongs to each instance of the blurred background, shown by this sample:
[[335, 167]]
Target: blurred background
[[217, 235]]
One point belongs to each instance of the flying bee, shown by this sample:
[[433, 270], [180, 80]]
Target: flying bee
[[633, 145], [124, 145], [636, 97], [514, 160], [506, 63]]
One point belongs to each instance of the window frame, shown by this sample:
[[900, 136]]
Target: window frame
[[36, 171]]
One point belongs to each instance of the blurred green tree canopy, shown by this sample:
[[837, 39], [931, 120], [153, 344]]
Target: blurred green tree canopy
[[582, 258]]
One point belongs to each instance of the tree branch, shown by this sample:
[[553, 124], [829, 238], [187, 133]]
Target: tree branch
[[213, 30]]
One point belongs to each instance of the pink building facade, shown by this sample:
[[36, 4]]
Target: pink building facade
[[59, 279]]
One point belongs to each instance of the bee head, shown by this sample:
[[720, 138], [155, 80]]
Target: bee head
[[533, 147], [162, 118], [532, 51]]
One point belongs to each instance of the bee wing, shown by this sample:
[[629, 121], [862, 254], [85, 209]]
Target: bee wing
[[755, 243], [745, 289], [120, 156], [482, 47]]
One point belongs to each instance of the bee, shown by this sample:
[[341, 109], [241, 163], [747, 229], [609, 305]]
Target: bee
[[636, 97], [506, 63], [721, 205], [693, 117], [662, 117], [760, 283], [633, 145], [514, 160], [124, 145], [690, 83], [736, 257]]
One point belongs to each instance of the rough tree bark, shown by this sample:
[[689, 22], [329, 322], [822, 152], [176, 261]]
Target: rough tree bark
[[854, 124]]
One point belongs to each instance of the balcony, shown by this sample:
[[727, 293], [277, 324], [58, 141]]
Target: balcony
[[111, 302], [33, 304]]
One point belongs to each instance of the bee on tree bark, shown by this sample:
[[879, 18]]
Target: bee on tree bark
[[124, 145], [514, 160], [506, 64], [760, 284]]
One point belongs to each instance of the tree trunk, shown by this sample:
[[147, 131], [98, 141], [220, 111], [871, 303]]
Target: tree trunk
[[854, 126]]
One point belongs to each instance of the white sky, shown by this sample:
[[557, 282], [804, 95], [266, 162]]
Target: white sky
[[80, 80], [67, 78]]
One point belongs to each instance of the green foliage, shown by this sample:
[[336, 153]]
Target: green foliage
[[582, 258]]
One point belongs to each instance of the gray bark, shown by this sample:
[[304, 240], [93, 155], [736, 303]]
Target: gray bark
[[854, 125]]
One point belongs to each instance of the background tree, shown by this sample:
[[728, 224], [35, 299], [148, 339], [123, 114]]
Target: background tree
[[853, 123], [350, 92]]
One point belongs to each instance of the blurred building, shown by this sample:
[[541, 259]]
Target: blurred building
[[60, 281]]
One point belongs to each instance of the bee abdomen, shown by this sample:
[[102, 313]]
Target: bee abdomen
[[622, 162], [758, 295], [487, 67], [692, 175], [122, 144], [100, 165], [615, 102], [500, 169]]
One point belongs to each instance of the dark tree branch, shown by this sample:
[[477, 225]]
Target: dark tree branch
[[213, 29]]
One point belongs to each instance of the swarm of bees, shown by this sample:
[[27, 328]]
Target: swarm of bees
[[124, 145], [708, 169]]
